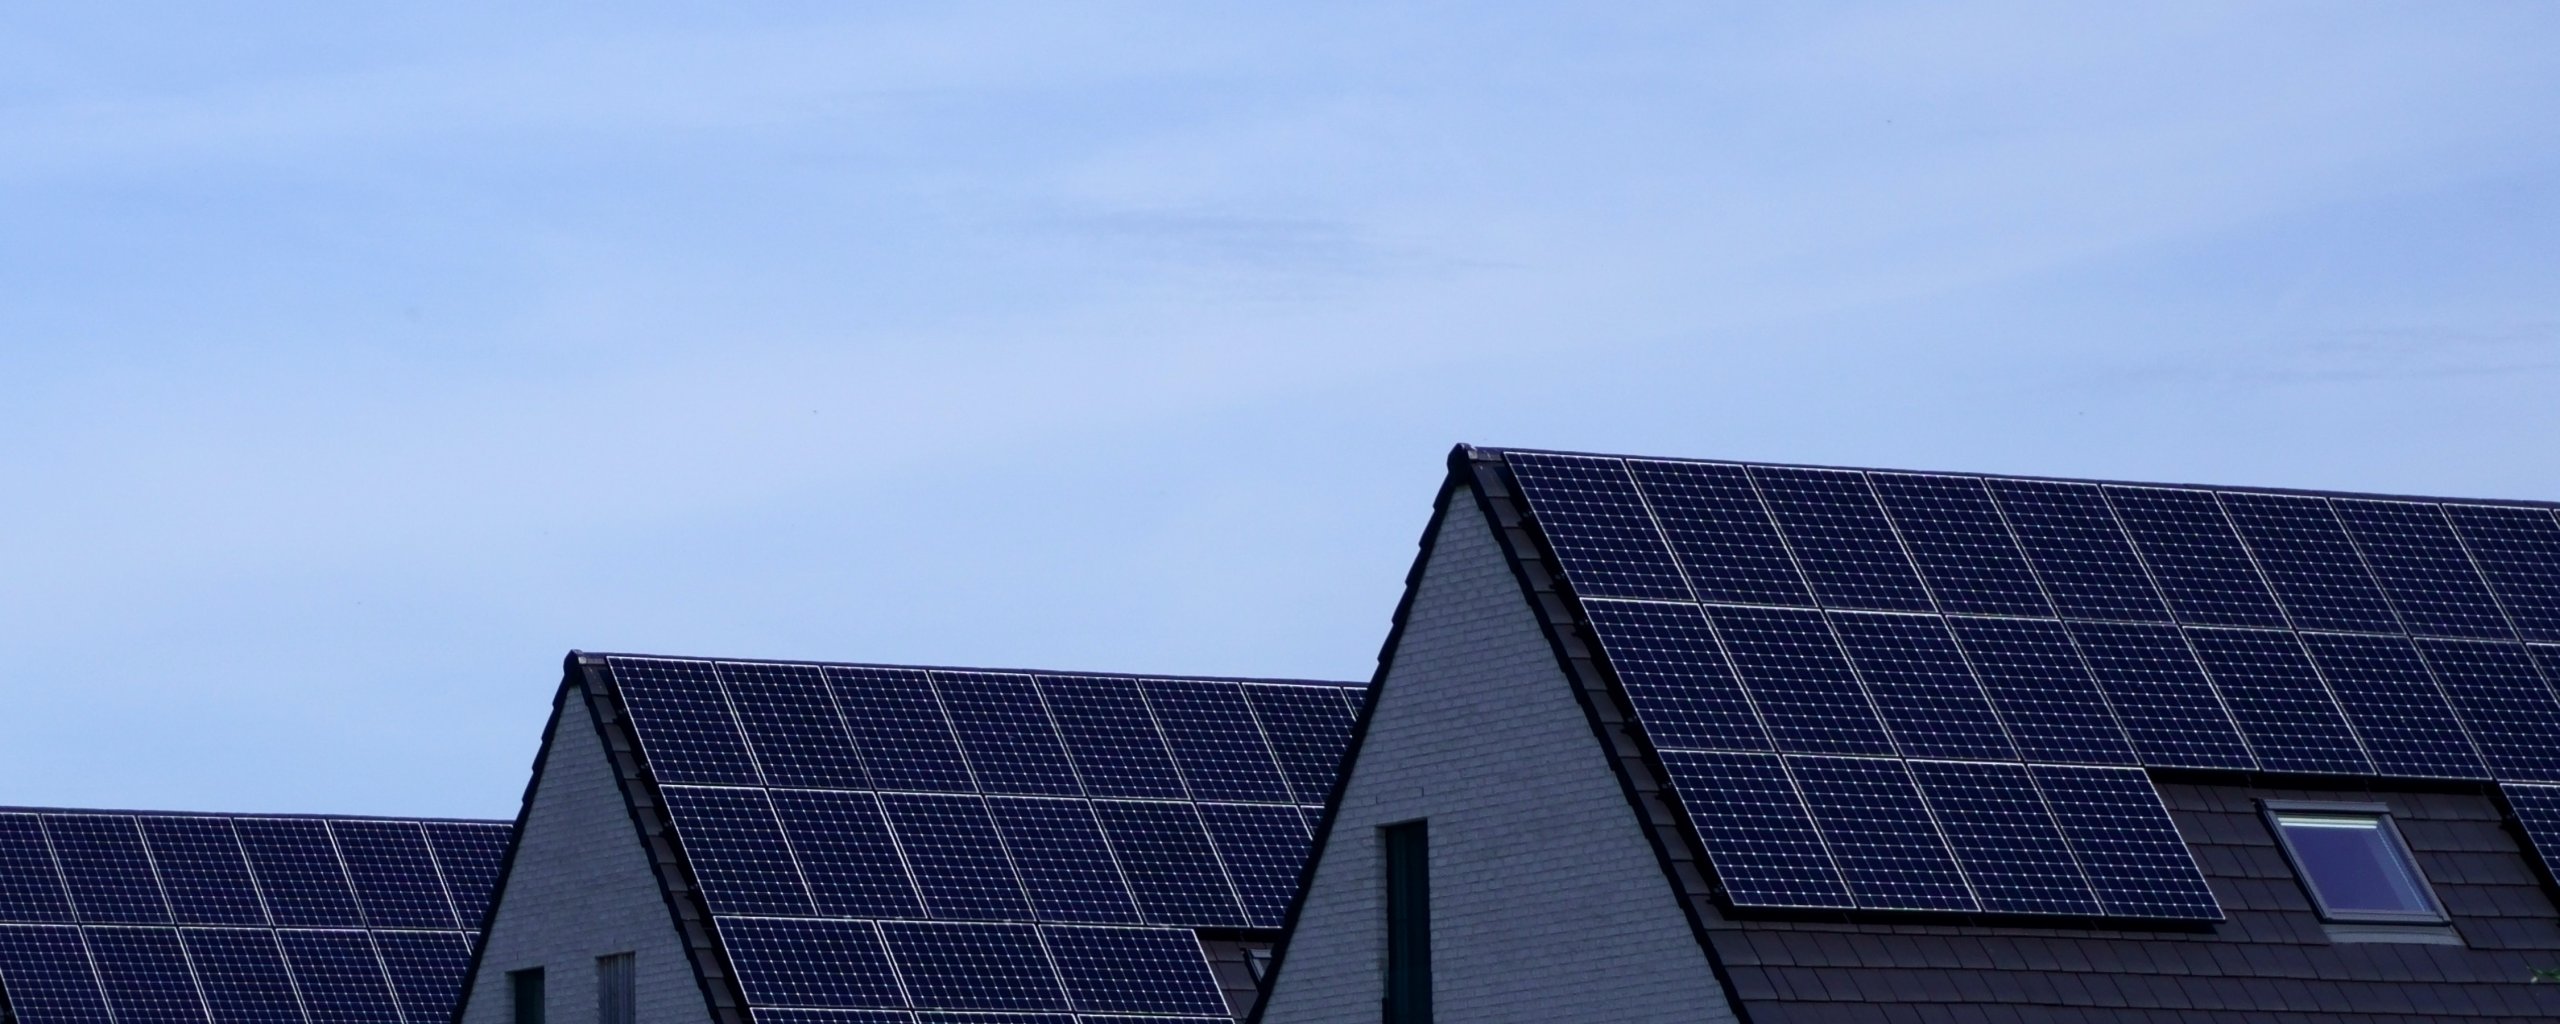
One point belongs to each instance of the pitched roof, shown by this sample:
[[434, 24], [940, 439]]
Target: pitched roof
[[143, 917], [894, 838]]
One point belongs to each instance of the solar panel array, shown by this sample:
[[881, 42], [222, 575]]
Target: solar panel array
[[121, 918], [889, 839], [1913, 691]]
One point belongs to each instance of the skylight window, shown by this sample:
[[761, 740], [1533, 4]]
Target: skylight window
[[2353, 862]]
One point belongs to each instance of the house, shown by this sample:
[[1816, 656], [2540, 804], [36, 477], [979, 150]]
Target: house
[[124, 917], [744, 842], [1660, 740]]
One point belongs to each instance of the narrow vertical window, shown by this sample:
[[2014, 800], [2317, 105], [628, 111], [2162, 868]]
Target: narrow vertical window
[[1408, 924], [614, 985], [524, 995]]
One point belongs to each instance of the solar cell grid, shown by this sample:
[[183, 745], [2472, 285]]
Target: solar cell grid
[[951, 846], [2518, 551], [426, 971], [341, 980], [1721, 534], [897, 724], [973, 966], [1263, 847], [804, 1015], [1006, 733], [1887, 845], [1134, 970], [1675, 676], [1171, 867], [110, 878], [49, 978], [145, 976], [298, 872], [2315, 570], [243, 974], [2394, 704], [1215, 741], [1112, 737], [2537, 810], [1755, 829], [791, 724], [1800, 681], [2504, 701], [1922, 686], [842, 845], [2003, 837], [395, 877], [683, 721], [2169, 709], [2126, 844], [1960, 543], [735, 846], [468, 854], [2422, 567], [1309, 729], [2279, 701], [2044, 693], [2197, 559], [1065, 866], [1590, 512], [810, 963], [2079, 551], [30, 888], [1841, 539], [202, 870]]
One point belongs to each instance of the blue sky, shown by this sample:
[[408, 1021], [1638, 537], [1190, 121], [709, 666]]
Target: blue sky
[[355, 365]]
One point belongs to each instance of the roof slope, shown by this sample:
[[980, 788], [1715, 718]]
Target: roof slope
[[898, 838], [125, 917]]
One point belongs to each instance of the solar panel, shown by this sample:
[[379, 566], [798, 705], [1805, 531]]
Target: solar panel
[[1112, 737], [2072, 538], [1720, 532], [1675, 676], [684, 721], [30, 887], [1309, 730], [2504, 701], [2518, 550], [1961, 544], [145, 976], [2126, 844], [1800, 681], [1134, 970], [951, 845], [734, 843], [810, 962], [1057, 846], [1922, 686], [102, 860], [48, 977], [791, 723], [2316, 571], [244, 976], [2170, 711], [2280, 702], [1006, 732], [395, 877], [2423, 569], [2007, 842], [2199, 562], [842, 845], [973, 966], [341, 980], [426, 969], [1171, 866], [1888, 847], [2394, 704], [2537, 811], [468, 854], [897, 724], [2044, 693], [1755, 829], [1590, 512], [1263, 848], [298, 870], [203, 872], [1215, 740], [1841, 538]]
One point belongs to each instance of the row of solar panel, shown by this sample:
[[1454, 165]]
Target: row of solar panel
[[1956, 836], [932, 965], [1806, 681], [188, 869], [144, 975], [831, 853], [853, 727], [1717, 532]]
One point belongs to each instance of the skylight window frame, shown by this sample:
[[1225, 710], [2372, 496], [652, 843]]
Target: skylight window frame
[[2273, 812]]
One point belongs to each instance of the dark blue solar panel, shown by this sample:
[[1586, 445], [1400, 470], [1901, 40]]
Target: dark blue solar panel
[[1841, 538], [2004, 838], [243, 974], [2044, 693], [1135, 970], [341, 981], [1112, 736], [145, 975], [1801, 682], [1667, 661], [2518, 549], [844, 850], [791, 723], [973, 966], [2168, 708], [2394, 705], [809, 963], [2316, 570], [1058, 848], [1170, 864], [110, 878], [799, 1015], [1309, 730], [1264, 847], [2505, 702], [951, 845], [469, 854], [30, 890], [1006, 732], [2078, 550], [1755, 829], [426, 971], [297, 868], [899, 728], [1721, 533], [2279, 701], [1599, 527], [1215, 740], [1887, 845], [2537, 808], [2423, 568], [2127, 845], [47, 976], [395, 877], [202, 870], [735, 846], [1961, 544], [683, 721], [2198, 560], [1922, 686]]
